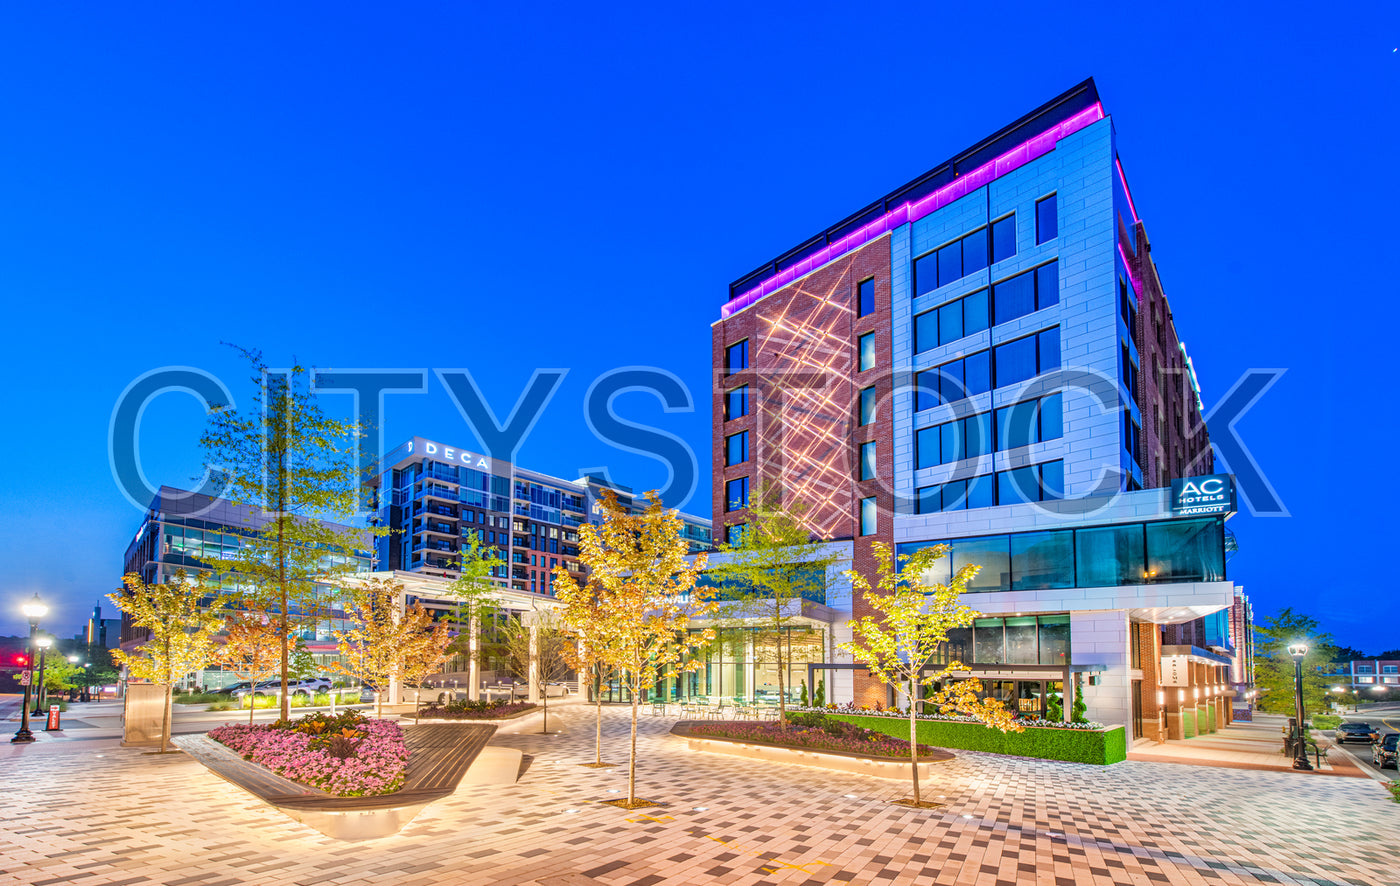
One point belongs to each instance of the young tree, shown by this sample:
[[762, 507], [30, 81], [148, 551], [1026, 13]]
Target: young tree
[[914, 619], [583, 620], [1274, 669], [536, 652], [774, 567], [291, 463], [252, 647], [182, 619], [387, 645], [646, 599], [476, 597]]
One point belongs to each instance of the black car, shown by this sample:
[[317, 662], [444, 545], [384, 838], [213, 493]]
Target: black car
[[1354, 732], [1383, 751]]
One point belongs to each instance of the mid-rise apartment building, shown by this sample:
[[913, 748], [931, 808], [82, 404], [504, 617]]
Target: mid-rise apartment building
[[433, 498], [985, 358]]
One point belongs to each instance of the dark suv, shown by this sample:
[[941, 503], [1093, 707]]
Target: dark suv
[[1354, 732], [1383, 751]]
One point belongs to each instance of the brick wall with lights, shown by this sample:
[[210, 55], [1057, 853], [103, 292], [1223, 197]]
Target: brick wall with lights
[[803, 423]]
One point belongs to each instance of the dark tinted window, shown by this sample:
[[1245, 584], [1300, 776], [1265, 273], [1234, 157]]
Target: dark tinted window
[[736, 494], [979, 372], [867, 405], [1049, 350], [1015, 361], [927, 450], [736, 402], [865, 297], [1014, 297], [1047, 285], [867, 461], [926, 389], [1004, 238], [981, 491], [950, 382], [1046, 223], [950, 322], [975, 312], [929, 501], [867, 352], [1052, 417], [737, 356], [737, 448], [926, 273], [974, 256], [925, 331], [950, 266]]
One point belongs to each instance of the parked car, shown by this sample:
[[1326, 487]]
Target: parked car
[[1383, 751], [232, 688], [1354, 732], [294, 687]]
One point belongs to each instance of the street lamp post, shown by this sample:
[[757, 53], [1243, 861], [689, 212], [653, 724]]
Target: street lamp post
[[1298, 651], [41, 694], [33, 610]]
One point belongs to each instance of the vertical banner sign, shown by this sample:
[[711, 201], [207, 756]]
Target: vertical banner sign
[[53, 719], [1175, 671]]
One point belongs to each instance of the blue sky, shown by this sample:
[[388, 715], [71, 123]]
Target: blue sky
[[501, 190]]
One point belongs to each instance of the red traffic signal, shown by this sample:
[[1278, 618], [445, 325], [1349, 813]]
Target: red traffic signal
[[21, 660]]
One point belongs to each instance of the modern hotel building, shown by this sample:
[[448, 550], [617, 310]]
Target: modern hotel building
[[985, 357]]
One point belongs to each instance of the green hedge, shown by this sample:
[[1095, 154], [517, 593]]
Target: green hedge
[[1188, 724], [1210, 719], [1074, 745]]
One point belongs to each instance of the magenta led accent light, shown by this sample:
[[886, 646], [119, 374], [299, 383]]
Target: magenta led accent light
[[1132, 207], [1033, 148], [1132, 278]]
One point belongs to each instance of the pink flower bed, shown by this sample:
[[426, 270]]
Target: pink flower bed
[[376, 766]]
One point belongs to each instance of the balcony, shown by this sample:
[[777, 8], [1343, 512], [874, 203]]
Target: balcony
[[439, 527], [442, 511], [434, 490], [440, 474], [435, 546]]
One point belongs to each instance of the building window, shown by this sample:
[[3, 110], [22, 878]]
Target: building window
[[1004, 238], [736, 494], [1026, 293], [951, 263], [958, 495], [865, 298], [737, 357], [969, 437], [953, 381], [1025, 358], [1030, 421], [867, 405], [1047, 224], [867, 516], [736, 450], [867, 351], [867, 461], [1042, 482], [1390, 669], [948, 323], [734, 534], [736, 403]]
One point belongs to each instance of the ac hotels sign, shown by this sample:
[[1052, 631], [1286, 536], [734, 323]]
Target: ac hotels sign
[[1196, 496]]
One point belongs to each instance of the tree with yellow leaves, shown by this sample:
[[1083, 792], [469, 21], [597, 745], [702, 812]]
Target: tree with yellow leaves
[[252, 647], [583, 621], [914, 618], [182, 618], [385, 643], [645, 595]]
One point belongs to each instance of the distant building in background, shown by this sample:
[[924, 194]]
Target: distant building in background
[[435, 497], [1372, 673], [104, 632]]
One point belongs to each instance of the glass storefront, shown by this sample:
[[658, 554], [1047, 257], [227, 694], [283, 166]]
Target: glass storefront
[[1108, 556], [1027, 640]]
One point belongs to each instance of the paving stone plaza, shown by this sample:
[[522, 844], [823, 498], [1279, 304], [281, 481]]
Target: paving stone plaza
[[90, 812]]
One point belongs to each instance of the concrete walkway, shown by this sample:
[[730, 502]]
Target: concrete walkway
[[1256, 745]]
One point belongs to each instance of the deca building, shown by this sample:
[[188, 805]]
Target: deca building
[[985, 357]]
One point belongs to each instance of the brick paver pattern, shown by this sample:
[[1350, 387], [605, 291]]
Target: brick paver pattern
[[71, 816]]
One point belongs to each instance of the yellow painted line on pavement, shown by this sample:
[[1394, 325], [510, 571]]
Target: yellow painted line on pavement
[[771, 865]]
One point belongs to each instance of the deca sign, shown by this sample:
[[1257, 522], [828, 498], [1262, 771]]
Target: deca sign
[[1214, 494], [451, 453]]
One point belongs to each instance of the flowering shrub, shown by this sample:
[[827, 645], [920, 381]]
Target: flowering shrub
[[850, 708], [347, 756], [474, 710], [814, 732]]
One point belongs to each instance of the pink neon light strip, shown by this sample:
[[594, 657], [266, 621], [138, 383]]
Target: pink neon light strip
[[1033, 148], [1132, 207], [1132, 278]]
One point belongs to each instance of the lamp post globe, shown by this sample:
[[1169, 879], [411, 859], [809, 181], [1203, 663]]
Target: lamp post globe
[[33, 609], [1299, 651]]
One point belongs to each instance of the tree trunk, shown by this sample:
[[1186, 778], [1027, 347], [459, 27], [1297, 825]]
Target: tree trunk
[[544, 702], [778, 645], [913, 741], [165, 721], [598, 738], [252, 706], [285, 707], [632, 759]]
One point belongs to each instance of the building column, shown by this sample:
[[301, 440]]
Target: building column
[[1154, 724]]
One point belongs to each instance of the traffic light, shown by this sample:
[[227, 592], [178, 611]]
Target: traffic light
[[21, 660]]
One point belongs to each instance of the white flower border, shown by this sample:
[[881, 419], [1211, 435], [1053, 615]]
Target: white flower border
[[850, 708]]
